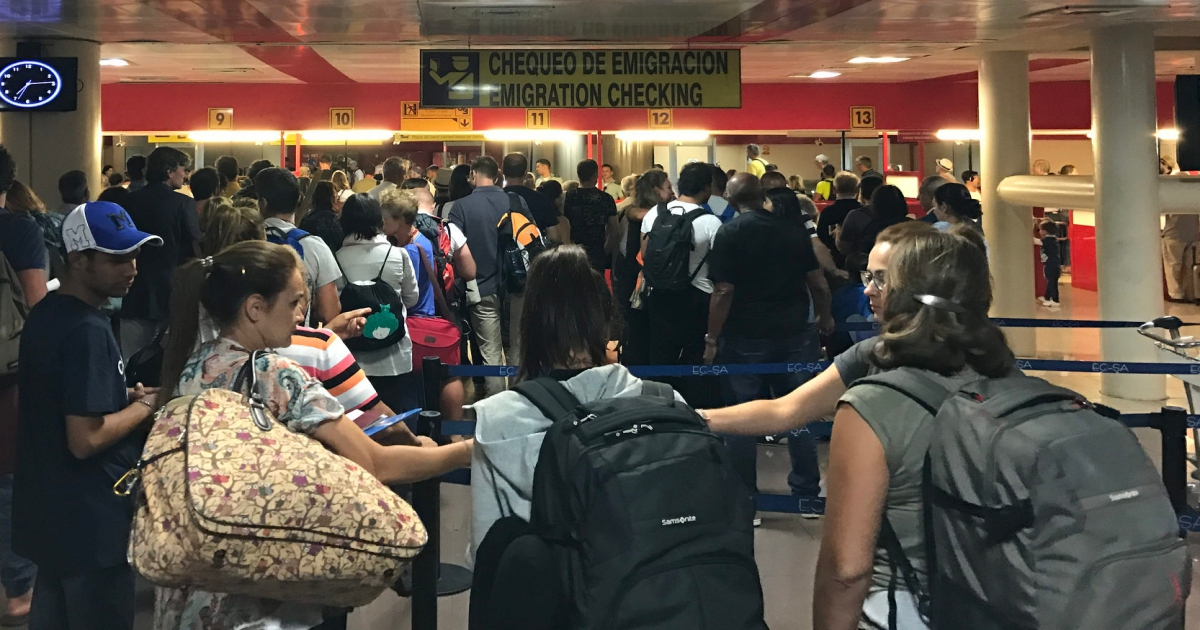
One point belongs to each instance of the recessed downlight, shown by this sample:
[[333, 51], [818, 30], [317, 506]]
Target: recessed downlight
[[878, 59], [824, 74], [114, 61]]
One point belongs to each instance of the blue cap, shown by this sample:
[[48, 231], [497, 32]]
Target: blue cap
[[105, 227]]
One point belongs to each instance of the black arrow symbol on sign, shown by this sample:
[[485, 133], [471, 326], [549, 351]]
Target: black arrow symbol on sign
[[464, 123]]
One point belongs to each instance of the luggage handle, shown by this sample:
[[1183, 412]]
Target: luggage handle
[[247, 376]]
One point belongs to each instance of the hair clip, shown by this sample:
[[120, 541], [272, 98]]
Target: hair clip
[[940, 303], [207, 263]]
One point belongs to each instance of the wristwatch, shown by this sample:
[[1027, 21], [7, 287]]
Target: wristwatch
[[710, 339]]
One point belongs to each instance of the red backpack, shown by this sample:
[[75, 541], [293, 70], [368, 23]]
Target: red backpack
[[438, 234]]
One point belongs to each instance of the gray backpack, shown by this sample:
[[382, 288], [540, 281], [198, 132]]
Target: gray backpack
[[1045, 514]]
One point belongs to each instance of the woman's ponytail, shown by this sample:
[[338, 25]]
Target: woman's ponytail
[[184, 325]]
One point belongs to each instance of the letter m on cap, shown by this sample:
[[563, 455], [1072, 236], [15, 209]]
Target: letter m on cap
[[79, 238]]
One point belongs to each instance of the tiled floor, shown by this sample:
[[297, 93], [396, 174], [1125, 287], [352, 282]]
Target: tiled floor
[[787, 545]]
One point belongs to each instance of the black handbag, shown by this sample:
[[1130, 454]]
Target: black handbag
[[145, 366]]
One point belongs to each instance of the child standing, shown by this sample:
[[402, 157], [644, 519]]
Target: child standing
[[1051, 262]]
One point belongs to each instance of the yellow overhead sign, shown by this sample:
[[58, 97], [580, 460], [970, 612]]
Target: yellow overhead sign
[[416, 117], [572, 78]]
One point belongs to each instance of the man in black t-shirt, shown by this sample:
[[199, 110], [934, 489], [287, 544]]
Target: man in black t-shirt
[[545, 214], [763, 270], [80, 431], [593, 216], [845, 189]]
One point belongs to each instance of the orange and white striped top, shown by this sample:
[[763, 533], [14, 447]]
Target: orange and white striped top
[[326, 358]]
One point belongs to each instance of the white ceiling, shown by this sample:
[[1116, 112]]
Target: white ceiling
[[375, 41]]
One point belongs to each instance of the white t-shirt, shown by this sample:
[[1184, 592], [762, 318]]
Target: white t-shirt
[[704, 232], [318, 259], [361, 260]]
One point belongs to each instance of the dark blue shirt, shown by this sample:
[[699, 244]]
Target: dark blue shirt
[[1051, 256], [22, 241], [65, 515]]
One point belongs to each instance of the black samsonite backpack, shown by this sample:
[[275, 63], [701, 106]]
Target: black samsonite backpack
[[650, 525]]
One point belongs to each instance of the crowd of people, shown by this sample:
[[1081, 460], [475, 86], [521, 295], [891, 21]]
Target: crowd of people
[[574, 280]]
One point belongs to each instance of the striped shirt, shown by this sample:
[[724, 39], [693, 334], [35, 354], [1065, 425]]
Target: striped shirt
[[326, 358]]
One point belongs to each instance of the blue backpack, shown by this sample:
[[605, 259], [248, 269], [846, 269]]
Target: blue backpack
[[290, 238]]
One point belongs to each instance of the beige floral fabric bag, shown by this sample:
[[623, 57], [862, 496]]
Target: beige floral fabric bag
[[233, 502]]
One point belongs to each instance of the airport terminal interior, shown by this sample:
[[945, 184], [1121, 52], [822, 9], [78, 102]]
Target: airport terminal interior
[[1065, 132]]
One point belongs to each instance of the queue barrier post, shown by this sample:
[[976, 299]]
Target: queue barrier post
[[430, 578], [1173, 425]]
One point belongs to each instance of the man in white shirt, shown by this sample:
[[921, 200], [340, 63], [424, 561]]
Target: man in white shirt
[[356, 174], [679, 319], [393, 176], [278, 196], [611, 186], [544, 173]]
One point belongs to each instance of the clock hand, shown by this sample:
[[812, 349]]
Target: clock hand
[[22, 92]]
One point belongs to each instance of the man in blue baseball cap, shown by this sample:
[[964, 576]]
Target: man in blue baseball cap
[[80, 430]]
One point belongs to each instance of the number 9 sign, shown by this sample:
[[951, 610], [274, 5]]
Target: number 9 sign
[[220, 118]]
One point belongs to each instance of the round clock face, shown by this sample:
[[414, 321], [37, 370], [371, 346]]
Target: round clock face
[[29, 84]]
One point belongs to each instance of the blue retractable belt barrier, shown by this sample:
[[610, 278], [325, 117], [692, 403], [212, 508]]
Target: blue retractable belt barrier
[[1013, 322], [724, 369]]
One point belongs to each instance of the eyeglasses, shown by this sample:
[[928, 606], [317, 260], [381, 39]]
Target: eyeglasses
[[878, 279]]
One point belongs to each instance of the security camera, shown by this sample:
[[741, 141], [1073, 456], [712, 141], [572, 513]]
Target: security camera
[[820, 143]]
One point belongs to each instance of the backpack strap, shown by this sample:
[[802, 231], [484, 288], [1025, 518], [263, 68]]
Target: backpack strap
[[929, 394], [379, 276], [554, 400], [439, 296], [658, 390]]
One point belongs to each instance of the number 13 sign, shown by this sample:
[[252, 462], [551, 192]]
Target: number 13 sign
[[862, 117]]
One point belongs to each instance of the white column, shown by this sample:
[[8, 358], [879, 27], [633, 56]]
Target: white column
[[1004, 151], [1128, 260], [48, 144]]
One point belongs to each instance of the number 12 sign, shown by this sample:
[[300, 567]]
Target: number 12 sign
[[862, 117]]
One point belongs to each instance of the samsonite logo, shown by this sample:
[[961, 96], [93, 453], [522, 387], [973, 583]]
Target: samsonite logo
[[682, 520]]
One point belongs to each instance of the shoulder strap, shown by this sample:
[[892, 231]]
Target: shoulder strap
[[379, 276], [554, 400], [439, 297], [658, 390], [913, 384]]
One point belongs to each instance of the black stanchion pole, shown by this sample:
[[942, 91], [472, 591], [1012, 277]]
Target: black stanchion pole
[[431, 578], [1174, 456], [426, 500]]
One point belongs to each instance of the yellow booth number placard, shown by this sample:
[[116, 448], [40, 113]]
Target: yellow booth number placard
[[341, 117], [537, 119], [220, 118], [862, 117], [661, 119]]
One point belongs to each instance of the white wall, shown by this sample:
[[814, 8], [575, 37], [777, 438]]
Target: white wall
[[792, 159], [1060, 152]]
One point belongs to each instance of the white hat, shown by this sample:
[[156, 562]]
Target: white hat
[[822, 158], [945, 164]]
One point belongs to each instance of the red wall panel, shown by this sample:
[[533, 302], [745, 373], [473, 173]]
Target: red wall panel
[[765, 107]]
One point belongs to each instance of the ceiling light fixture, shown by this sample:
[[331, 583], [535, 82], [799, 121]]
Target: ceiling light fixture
[[958, 135], [233, 136], [878, 59], [824, 74], [666, 135], [347, 135], [530, 135], [114, 61]]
